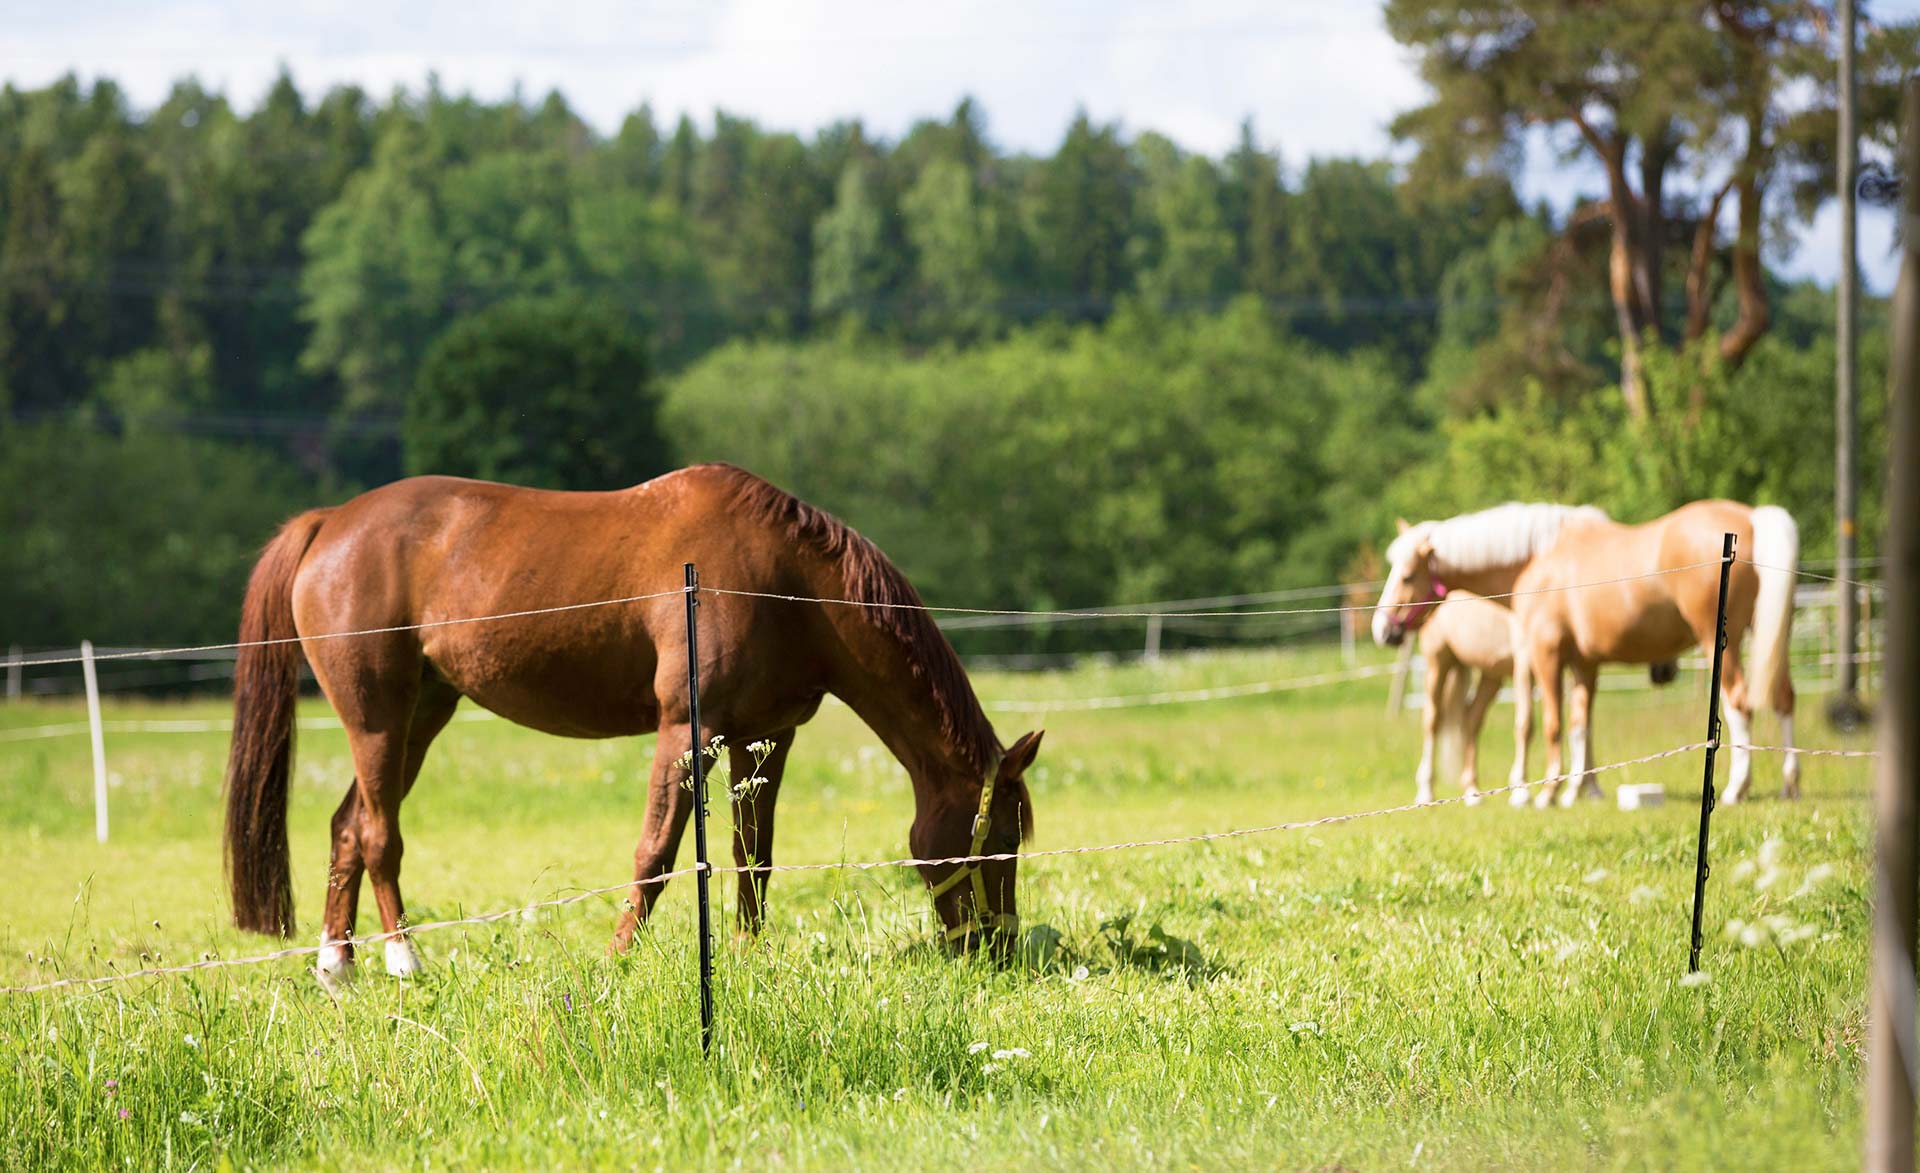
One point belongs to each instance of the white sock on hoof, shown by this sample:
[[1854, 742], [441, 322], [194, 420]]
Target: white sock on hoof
[[1518, 795], [403, 960], [333, 966], [1739, 732], [1789, 769]]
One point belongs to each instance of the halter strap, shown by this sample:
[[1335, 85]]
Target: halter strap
[[971, 871]]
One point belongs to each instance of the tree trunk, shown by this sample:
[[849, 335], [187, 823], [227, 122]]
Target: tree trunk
[[1700, 268], [1749, 277], [1627, 279], [1650, 235]]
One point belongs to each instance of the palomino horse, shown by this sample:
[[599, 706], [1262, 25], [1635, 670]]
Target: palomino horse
[[1588, 591], [1465, 634], [412, 559]]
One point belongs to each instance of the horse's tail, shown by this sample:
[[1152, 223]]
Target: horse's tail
[[1450, 724], [1776, 556], [265, 686]]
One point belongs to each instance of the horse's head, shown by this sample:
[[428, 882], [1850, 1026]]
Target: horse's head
[[1412, 590], [975, 901]]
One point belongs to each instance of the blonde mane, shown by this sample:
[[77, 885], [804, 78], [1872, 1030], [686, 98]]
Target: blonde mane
[[1503, 536]]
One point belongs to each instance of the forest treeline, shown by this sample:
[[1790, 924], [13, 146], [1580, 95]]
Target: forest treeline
[[1117, 371]]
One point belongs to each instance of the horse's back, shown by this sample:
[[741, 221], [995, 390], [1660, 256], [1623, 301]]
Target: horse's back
[[427, 553], [1476, 629]]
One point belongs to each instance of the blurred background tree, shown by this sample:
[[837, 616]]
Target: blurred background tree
[[1116, 370]]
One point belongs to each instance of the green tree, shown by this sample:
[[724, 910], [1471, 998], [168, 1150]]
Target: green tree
[[1254, 198], [1079, 212], [1652, 93], [854, 265], [1184, 255], [959, 237], [550, 392]]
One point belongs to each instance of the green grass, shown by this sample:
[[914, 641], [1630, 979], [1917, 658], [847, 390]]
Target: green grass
[[1447, 988]]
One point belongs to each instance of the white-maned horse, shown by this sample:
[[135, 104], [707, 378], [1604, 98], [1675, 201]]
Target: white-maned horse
[[1586, 591]]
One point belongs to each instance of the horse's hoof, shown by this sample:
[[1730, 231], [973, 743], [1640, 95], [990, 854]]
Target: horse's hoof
[[403, 960], [1471, 798], [1568, 796], [333, 968], [1423, 798], [1517, 797]]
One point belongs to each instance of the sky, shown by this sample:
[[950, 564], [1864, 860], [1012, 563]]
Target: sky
[[1318, 79]]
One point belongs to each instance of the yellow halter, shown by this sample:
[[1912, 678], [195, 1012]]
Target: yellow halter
[[974, 923]]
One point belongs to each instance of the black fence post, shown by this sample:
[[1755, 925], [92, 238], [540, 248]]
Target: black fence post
[[1713, 744], [699, 810]]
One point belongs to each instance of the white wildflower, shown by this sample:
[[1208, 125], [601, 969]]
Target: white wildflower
[[1697, 978], [975, 1048], [1012, 1053]]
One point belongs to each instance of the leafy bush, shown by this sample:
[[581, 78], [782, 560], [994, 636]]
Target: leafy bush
[[132, 539], [549, 392]]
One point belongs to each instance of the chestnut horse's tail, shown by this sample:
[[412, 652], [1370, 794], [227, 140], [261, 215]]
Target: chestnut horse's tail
[[265, 686], [1776, 556]]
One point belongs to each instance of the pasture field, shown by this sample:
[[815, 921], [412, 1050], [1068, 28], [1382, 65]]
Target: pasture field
[[1442, 988]]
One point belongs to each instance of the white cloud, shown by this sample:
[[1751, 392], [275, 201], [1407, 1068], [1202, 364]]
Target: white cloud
[[1318, 78]]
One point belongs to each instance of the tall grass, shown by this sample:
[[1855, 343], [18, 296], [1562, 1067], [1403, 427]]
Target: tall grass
[[1454, 988]]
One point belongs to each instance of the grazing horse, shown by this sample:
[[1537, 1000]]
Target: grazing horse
[[1464, 634], [1588, 591], [407, 562]]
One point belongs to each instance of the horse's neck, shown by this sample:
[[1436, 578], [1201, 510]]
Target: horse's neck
[[879, 681], [1490, 580], [906, 718]]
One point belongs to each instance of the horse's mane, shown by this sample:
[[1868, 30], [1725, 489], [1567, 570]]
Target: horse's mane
[[1505, 535], [867, 576]]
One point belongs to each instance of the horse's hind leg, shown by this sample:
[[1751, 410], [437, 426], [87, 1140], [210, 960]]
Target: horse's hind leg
[[1738, 710], [1483, 697], [753, 824], [431, 712], [389, 745], [1782, 702]]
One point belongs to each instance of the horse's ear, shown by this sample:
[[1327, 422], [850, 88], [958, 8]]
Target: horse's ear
[[1402, 525], [1020, 754], [1424, 550]]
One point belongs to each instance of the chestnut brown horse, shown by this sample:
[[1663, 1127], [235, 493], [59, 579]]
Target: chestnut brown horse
[[410, 559]]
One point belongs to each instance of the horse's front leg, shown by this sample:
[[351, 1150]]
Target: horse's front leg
[[1586, 677], [668, 805], [1438, 669], [1522, 718], [753, 823], [1547, 667]]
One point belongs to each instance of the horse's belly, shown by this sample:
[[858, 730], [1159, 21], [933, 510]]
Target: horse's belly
[[1657, 634], [578, 700]]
